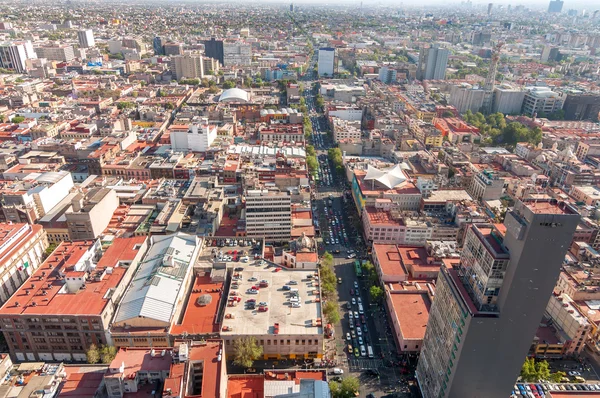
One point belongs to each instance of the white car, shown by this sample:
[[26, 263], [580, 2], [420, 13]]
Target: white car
[[337, 371], [296, 305], [353, 301], [355, 315], [358, 332], [348, 337]]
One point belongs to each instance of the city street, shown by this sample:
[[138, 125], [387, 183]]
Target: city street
[[337, 222]]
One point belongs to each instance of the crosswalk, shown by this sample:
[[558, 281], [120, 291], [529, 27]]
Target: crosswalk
[[362, 364]]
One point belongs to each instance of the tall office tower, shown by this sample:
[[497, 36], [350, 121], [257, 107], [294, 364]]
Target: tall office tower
[[292, 7], [490, 81], [490, 6], [86, 38], [14, 55], [555, 6], [188, 66], [268, 215], [326, 62], [432, 63], [488, 307], [214, 49], [158, 44]]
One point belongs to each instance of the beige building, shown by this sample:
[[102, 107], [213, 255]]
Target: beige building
[[589, 195], [67, 304], [90, 213], [283, 329], [22, 248], [572, 328], [188, 66], [268, 215]]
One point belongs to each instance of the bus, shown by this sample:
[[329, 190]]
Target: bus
[[357, 268], [370, 351]]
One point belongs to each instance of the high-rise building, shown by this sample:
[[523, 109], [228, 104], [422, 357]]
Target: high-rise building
[[432, 63], [326, 61], [158, 45], [173, 48], [61, 52], [555, 6], [292, 7], [14, 55], [188, 66], [237, 54], [490, 6], [214, 49], [197, 138], [268, 215], [387, 75], [582, 106], [86, 38], [549, 53], [507, 99], [488, 307]]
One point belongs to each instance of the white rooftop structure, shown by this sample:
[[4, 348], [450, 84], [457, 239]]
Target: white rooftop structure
[[235, 95], [160, 280], [391, 178], [263, 150]]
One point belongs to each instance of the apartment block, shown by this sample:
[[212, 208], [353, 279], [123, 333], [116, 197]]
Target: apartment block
[[486, 185], [61, 52], [572, 328], [68, 303], [22, 248]]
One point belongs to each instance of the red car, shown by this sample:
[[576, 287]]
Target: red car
[[263, 309], [251, 301], [352, 292]]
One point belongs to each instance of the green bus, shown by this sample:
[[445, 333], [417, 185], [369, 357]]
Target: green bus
[[357, 268]]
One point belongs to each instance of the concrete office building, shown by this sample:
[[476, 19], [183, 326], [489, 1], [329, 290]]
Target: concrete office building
[[549, 53], [488, 307], [14, 55], [268, 215], [326, 62], [432, 63], [214, 49], [507, 100], [188, 66], [61, 52], [387, 75], [582, 106], [237, 54], [555, 6], [158, 45], [466, 97], [86, 38], [198, 138], [22, 249], [91, 212], [172, 48], [68, 303], [541, 100]]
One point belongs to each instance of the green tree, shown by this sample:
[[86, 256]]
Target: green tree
[[17, 119], [534, 371], [312, 163], [51, 247], [245, 351], [331, 312], [169, 105], [125, 105], [1, 118], [228, 84], [327, 259], [108, 353], [556, 377], [448, 114], [346, 389], [310, 150], [376, 294], [93, 355]]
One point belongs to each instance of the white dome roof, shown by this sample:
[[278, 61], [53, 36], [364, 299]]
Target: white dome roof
[[235, 95]]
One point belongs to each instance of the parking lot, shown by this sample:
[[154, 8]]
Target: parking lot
[[232, 252]]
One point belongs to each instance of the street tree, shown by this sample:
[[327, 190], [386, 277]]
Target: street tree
[[93, 355], [376, 294], [245, 351]]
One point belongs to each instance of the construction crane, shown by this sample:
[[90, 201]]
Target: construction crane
[[490, 81]]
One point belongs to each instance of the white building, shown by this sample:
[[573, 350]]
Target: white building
[[198, 138], [61, 52], [540, 100], [14, 55], [268, 215], [326, 61], [86, 38], [573, 327], [507, 100], [466, 97]]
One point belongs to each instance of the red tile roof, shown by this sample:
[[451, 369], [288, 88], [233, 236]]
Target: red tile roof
[[89, 301], [200, 319], [246, 387], [412, 312]]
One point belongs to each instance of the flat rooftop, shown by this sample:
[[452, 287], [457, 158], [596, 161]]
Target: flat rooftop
[[389, 260], [547, 207], [246, 386], [412, 311], [200, 318], [296, 321], [82, 381], [448, 195]]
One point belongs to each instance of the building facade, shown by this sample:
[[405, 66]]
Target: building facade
[[90, 213], [86, 38], [268, 215], [326, 62], [472, 346]]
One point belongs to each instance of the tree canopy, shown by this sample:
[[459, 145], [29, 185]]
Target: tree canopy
[[534, 371], [228, 84], [347, 388], [497, 131], [245, 351]]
